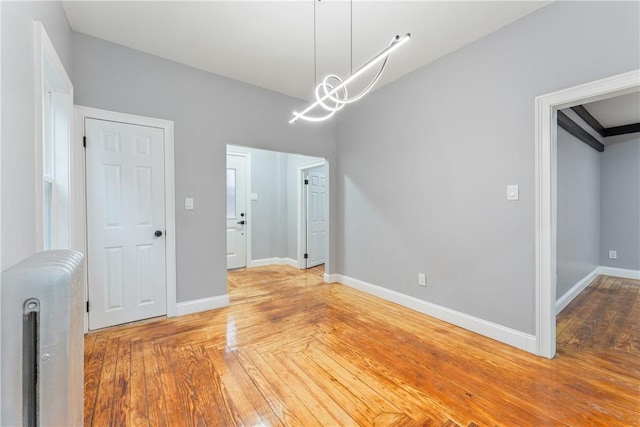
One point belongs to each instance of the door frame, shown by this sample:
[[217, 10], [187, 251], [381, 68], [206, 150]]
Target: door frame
[[302, 211], [546, 107], [248, 206], [82, 113]]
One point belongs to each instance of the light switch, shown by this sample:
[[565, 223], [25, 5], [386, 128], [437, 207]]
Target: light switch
[[188, 203], [513, 192]]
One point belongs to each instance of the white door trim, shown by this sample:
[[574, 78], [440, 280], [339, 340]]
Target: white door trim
[[248, 208], [546, 107], [82, 113], [302, 209]]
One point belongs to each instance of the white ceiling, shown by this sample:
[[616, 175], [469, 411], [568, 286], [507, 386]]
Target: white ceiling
[[617, 111], [270, 43]]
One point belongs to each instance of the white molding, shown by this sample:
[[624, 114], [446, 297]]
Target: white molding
[[290, 262], [167, 126], [331, 278], [492, 330], [619, 272], [56, 80], [263, 262], [546, 107], [565, 299], [202, 304]]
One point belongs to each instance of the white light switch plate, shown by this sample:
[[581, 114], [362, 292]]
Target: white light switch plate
[[513, 192], [188, 203]]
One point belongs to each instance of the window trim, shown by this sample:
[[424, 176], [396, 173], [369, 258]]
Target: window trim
[[51, 77]]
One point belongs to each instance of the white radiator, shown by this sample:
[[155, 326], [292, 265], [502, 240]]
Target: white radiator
[[42, 341]]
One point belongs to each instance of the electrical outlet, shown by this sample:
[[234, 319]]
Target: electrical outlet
[[422, 279], [613, 255]]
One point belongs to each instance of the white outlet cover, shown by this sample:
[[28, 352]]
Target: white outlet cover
[[188, 203], [613, 255], [513, 192], [422, 279]]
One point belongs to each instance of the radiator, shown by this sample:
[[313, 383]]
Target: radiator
[[42, 341]]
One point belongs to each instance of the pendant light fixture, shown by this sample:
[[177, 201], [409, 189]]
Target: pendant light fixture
[[331, 93]]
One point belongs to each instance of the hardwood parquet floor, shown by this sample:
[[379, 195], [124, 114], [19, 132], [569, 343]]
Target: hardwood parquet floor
[[292, 350]]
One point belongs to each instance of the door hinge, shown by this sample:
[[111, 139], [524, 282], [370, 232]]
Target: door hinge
[[87, 306], [306, 182], [84, 141], [306, 256]]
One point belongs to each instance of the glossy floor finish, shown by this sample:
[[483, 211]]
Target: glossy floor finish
[[291, 350]]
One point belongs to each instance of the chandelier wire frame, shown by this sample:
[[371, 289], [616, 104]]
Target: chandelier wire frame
[[332, 95]]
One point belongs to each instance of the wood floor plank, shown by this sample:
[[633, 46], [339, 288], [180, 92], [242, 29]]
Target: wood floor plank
[[292, 389], [316, 391], [122, 394], [212, 393], [185, 390], [417, 405], [248, 403], [292, 350], [92, 373], [287, 407], [173, 409], [105, 396], [153, 383], [139, 413]]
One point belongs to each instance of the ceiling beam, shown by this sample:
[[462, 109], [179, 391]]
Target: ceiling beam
[[587, 117], [621, 130], [574, 129]]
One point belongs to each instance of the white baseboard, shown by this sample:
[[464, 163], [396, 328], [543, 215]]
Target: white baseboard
[[203, 304], [497, 332], [331, 278], [273, 261], [565, 299], [620, 272]]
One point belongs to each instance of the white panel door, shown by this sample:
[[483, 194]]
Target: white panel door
[[125, 222], [316, 216], [236, 211]]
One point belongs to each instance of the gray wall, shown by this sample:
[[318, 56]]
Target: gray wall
[[209, 112], [424, 161], [620, 196], [578, 210], [18, 118]]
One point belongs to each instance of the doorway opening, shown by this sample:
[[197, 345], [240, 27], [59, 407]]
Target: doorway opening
[[546, 111], [285, 221], [598, 226], [313, 215]]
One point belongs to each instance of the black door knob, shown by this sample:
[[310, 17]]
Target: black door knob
[[158, 233], [241, 222]]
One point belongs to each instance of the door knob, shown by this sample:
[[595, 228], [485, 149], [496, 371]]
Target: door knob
[[241, 222], [158, 233]]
